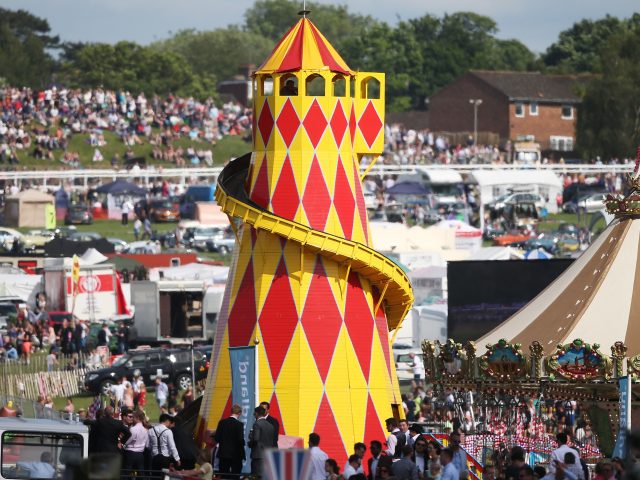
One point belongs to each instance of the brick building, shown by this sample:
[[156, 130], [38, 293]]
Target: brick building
[[515, 105]]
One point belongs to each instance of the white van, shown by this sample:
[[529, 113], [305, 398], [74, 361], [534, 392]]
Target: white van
[[40, 448]]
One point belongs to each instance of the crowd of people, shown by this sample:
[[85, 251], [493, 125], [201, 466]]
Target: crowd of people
[[40, 123]]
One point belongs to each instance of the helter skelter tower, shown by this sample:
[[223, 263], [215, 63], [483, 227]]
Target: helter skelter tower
[[304, 283]]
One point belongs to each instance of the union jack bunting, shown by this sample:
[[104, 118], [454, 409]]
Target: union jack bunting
[[294, 464]]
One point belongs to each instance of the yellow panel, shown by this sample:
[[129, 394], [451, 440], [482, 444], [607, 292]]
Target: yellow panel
[[220, 394], [337, 276], [239, 267], [267, 256], [265, 381]]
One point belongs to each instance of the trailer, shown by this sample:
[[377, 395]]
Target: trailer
[[92, 296], [171, 310]]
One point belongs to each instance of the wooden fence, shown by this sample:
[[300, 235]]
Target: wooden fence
[[63, 383]]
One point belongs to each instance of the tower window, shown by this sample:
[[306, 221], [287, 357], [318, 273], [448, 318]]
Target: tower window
[[266, 86], [339, 86], [370, 88], [315, 86], [289, 86]]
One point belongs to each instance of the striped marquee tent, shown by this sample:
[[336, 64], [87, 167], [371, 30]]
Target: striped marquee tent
[[596, 299], [303, 47]]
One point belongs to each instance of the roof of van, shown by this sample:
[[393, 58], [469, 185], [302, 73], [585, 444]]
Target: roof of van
[[515, 177], [441, 175], [42, 425]]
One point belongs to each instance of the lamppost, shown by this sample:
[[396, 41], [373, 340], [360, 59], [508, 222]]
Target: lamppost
[[476, 102]]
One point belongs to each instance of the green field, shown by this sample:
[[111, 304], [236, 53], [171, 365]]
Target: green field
[[227, 148], [84, 401]]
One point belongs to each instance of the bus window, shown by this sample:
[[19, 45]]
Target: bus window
[[39, 455]]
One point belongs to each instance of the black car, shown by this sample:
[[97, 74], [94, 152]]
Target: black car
[[173, 365], [78, 214]]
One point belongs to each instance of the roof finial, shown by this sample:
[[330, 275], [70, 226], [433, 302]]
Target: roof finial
[[304, 12]]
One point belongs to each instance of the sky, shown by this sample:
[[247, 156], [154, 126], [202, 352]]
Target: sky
[[536, 23]]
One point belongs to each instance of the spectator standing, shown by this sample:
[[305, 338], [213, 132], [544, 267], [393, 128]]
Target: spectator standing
[[405, 469], [396, 439], [135, 445], [274, 423], [109, 433], [162, 393], [162, 445], [260, 438], [559, 453], [375, 447], [449, 470], [137, 227], [126, 208], [351, 468], [230, 439], [318, 458], [459, 456]]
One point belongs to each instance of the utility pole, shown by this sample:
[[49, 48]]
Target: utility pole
[[476, 102]]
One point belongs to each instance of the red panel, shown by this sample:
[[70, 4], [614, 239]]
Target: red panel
[[227, 408], [359, 322], [370, 124], [242, 319], [330, 437], [278, 320], [274, 411], [383, 329], [315, 123], [285, 200], [372, 429], [260, 193], [339, 124], [321, 320], [265, 122], [362, 208], [352, 124], [325, 54], [288, 123], [343, 200], [316, 199], [293, 58]]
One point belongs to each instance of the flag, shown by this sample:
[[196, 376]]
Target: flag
[[294, 464]]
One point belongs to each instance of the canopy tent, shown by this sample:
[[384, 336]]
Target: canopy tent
[[303, 47], [537, 254], [30, 208], [408, 188], [496, 253], [467, 237], [122, 187], [20, 286], [596, 299]]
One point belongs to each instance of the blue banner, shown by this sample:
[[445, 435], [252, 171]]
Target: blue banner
[[624, 385], [243, 388]]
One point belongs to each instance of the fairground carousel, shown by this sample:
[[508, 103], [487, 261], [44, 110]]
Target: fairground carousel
[[576, 346]]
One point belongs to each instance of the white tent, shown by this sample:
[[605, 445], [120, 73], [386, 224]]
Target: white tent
[[596, 299], [21, 286], [496, 253], [467, 237], [213, 274], [493, 183]]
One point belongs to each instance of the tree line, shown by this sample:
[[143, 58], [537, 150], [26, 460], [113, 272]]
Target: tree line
[[419, 56]]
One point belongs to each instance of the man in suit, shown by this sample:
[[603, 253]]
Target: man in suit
[[405, 469], [110, 433], [375, 447], [260, 438], [230, 439], [274, 423]]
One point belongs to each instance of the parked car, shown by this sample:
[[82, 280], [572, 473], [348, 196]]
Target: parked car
[[172, 365], [199, 236], [8, 313], [163, 211], [404, 361], [501, 201], [143, 246], [120, 245], [78, 215], [590, 203], [56, 319], [223, 243], [84, 236]]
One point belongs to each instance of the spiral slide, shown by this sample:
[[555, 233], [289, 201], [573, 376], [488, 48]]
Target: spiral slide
[[392, 282]]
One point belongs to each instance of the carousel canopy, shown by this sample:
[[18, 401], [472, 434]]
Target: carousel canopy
[[597, 298], [303, 47]]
